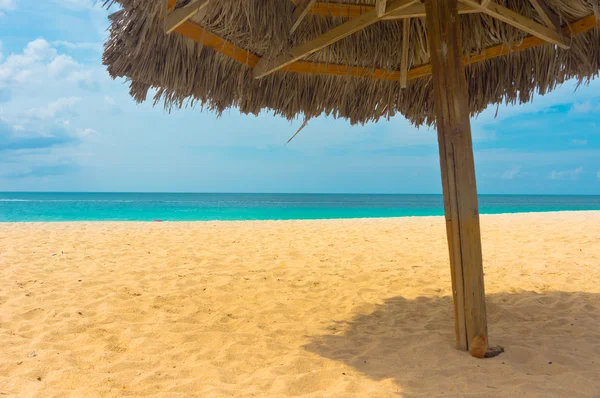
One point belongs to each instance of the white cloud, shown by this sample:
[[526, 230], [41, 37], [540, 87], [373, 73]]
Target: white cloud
[[77, 46], [109, 100], [579, 142], [61, 65], [8, 4], [566, 174], [41, 65], [75, 4], [54, 108], [38, 49], [511, 174], [83, 78], [87, 132], [581, 107], [65, 66], [44, 127], [584, 107], [1, 15], [18, 67], [22, 76], [562, 95], [480, 134]]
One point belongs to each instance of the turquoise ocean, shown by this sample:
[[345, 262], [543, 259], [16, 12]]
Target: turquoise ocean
[[207, 206]]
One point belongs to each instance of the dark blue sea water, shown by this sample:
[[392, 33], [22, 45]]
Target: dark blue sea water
[[203, 206]]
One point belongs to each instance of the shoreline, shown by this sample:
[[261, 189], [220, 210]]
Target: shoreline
[[158, 221]]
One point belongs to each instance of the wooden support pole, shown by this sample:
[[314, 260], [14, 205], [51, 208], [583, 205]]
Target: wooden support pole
[[458, 174]]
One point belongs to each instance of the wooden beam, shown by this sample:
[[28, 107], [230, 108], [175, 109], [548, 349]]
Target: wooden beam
[[300, 12], [199, 34], [267, 66], [171, 5], [182, 14], [380, 7], [520, 22], [418, 11], [328, 9], [207, 39], [548, 16], [325, 8], [405, 47], [451, 99], [581, 26]]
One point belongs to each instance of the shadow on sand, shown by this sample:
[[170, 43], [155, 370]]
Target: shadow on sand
[[552, 343]]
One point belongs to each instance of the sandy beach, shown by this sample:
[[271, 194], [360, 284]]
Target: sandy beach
[[294, 308]]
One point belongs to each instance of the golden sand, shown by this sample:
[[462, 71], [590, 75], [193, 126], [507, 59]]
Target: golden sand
[[317, 308]]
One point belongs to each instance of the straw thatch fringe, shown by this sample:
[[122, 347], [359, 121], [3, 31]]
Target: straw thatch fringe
[[185, 73]]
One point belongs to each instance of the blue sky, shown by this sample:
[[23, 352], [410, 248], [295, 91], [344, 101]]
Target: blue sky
[[66, 126]]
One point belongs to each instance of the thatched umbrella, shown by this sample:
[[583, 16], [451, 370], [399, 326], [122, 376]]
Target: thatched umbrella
[[433, 61]]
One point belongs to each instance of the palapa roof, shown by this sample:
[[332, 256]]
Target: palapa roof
[[354, 59]]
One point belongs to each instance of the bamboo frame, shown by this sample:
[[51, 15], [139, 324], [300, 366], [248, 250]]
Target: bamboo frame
[[518, 21], [405, 48], [326, 9], [177, 17], [418, 11], [549, 33], [267, 66], [201, 35], [394, 9], [548, 16], [290, 62], [300, 12]]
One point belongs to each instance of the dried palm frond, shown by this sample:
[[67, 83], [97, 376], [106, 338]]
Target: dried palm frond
[[184, 73]]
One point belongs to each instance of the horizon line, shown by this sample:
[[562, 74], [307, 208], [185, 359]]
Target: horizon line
[[282, 193]]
